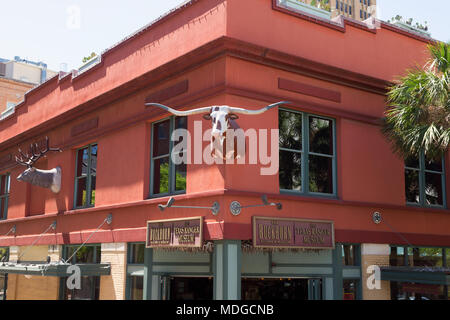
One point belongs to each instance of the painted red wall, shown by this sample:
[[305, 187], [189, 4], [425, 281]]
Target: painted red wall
[[370, 177]]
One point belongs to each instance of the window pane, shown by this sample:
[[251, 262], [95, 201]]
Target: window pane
[[320, 174], [349, 254], [2, 185], [433, 165], [8, 183], [180, 177], [425, 257], [137, 253], [94, 150], [397, 257], [85, 255], [2, 208], [320, 136], [433, 189], [137, 288], [81, 192], [290, 129], [180, 122], [447, 254], [82, 161], [350, 289], [161, 176], [88, 289], [290, 170], [412, 186], [161, 138], [412, 162], [93, 183]]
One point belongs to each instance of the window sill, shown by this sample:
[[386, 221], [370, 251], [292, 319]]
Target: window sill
[[163, 195], [424, 206], [311, 195]]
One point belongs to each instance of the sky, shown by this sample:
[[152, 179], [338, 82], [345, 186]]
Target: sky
[[61, 32]]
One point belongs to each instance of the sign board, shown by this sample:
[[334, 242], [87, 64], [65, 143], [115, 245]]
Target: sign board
[[292, 233], [175, 233]]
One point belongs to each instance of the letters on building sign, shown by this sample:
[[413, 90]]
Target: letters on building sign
[[292, 233], [175, 233]]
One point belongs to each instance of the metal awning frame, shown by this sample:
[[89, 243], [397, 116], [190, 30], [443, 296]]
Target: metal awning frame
[[437, 276], [54, 269]]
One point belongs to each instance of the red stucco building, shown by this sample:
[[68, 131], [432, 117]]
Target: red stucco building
[[336, 167]]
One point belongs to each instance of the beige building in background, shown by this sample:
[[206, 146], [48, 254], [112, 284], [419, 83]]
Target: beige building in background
[[355, 9], [16, 78]]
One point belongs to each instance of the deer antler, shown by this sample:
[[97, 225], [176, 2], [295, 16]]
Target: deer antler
[[36, 154]]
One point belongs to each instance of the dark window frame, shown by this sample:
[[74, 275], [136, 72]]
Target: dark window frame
[[129, 276], [305, 154], [5, 196], [88, 176], [172, 176], [422, 175]]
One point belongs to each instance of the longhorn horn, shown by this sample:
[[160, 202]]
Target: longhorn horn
[[255, 112], [181, 113]]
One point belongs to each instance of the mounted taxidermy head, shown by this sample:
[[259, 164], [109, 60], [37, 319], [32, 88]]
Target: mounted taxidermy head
[[50, 179]]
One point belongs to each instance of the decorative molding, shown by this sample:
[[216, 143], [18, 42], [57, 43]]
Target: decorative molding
[[84, 127], [221, 47], [309, 90], [169, 92]]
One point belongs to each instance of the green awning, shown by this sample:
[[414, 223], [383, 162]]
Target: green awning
[[54, 269], [427, 275]]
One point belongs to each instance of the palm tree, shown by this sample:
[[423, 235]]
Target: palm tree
[[419, 119]]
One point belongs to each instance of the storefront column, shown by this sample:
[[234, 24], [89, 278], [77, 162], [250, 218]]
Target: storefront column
[[148, 275], [227, 270], [374, 255], [112, 287]]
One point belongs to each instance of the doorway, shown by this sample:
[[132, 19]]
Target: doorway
[[281, 289], [186, 288]]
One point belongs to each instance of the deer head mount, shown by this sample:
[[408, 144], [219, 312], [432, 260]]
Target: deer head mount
[[50, 179]]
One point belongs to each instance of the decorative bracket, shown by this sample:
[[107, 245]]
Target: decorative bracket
[[235, 206], [214, 209]]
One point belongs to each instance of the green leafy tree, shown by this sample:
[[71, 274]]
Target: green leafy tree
[[419, 119]]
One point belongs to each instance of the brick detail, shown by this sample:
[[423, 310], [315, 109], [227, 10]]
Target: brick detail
[[385, 292], [112, 287]]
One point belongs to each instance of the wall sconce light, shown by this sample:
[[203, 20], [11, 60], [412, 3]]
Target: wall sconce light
[[214, 209]]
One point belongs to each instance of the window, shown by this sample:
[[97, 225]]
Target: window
[[351, 289], [368, 2], [307, 153], [342, 6], [425, 257], [346, 8], [350, 255], [85, 176], [425, 181], [90, 285], [4, 195], [337, 5], [166, 177], [365, 15], [350, 9], [135, 271], [360, 14]]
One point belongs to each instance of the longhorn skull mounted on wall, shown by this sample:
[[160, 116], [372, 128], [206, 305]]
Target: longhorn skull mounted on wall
[[222, 119], [50, 179]]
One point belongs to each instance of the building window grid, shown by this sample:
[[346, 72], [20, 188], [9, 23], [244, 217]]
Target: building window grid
[[90, 176], [134, 282], [422, 171], [172, 187], [305, 154], [5, 181]]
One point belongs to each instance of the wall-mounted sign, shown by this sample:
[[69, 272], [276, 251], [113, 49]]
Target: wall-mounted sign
[[292, 233], [173, 233]]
